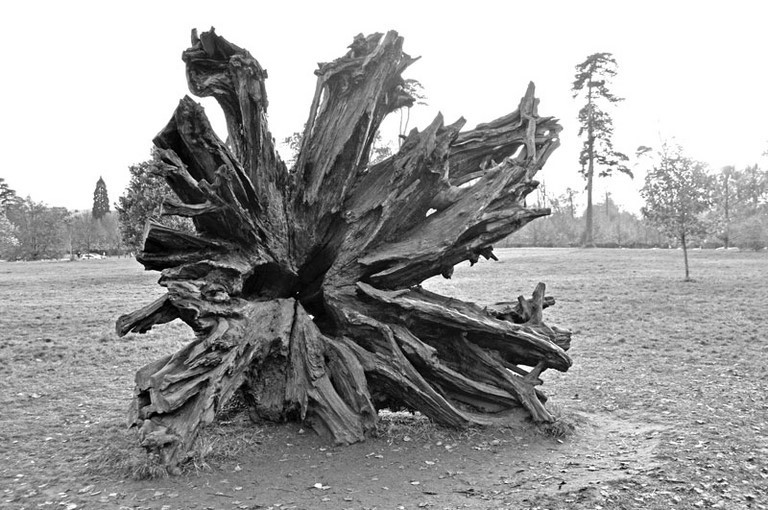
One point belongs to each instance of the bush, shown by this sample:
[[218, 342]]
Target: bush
[[751, 233]]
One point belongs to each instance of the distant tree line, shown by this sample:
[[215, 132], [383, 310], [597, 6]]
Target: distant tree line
[[686, 205], [612, 227], [31, 230]]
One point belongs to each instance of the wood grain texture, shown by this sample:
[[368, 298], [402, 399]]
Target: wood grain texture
[[302, 284]]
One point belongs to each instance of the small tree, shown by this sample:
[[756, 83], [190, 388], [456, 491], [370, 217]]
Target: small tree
[[677, 191], [592, 84], [100, 200]]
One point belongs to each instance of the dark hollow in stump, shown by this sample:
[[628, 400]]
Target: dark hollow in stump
[[302, 284]]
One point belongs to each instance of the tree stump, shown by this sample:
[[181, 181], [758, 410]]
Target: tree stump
[[302, 285]]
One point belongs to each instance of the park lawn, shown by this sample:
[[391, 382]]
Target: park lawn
[[667, 394]]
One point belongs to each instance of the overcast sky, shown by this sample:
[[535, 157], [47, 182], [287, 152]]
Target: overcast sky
[[86, 85]]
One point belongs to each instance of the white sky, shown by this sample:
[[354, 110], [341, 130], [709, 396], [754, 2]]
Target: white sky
[[85, 86]]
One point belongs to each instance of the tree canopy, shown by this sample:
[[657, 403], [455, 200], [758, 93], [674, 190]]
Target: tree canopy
[[39, 230]]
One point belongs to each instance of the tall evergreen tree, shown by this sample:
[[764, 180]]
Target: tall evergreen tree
[[592, 84], [100, 200]]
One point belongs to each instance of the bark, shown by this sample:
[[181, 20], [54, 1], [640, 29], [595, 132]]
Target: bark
[[588, 241], [302, 284]]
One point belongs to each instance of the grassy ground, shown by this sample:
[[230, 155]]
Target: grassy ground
[[667, 392]]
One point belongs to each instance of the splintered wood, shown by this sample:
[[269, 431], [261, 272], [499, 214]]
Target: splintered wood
[[302, 284]]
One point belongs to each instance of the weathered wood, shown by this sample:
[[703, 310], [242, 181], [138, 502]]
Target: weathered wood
[[159, 311], [302, 284]]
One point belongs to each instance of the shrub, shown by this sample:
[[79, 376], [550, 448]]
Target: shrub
[[751, 233]]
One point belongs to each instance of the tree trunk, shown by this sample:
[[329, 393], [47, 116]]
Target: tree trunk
[[588, 241], [727, 216], [302, 285]]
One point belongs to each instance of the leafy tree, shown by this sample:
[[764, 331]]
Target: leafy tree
[[724, 197], [8, 239], [39, 230], [100, 199], [751, 191], [82, 232], [677, 191], [109, 239], [142, 200], [741, 206], [87, 234], [592, 85], [9, 202], [751, 232]]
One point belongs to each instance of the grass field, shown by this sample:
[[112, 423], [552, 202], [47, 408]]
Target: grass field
[[667, 392]]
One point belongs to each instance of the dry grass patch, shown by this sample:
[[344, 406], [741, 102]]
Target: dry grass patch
[[666, 395]]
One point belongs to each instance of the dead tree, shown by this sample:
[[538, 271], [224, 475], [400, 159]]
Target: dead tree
[[302, 285]]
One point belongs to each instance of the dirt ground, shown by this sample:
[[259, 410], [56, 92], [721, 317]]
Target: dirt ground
[[667, 398]]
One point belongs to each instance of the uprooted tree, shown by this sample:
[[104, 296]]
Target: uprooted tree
[[302, 285]]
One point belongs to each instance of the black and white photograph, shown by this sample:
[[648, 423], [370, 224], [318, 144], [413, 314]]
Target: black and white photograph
[[384, 255]]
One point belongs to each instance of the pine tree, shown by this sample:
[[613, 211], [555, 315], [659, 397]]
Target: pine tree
[[592, 83], [8, 197], [100, 200]]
